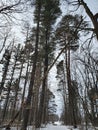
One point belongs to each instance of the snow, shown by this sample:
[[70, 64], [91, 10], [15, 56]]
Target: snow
[[49, 127], [56, 126]]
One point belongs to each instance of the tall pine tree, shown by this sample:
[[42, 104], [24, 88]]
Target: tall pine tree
[[50, 12]]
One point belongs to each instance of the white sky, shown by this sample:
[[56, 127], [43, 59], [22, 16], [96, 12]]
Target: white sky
[[93, 5]]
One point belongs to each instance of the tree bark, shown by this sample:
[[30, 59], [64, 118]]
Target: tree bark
[[43, 93], [29, 97]]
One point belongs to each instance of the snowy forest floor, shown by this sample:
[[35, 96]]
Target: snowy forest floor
[[63, 127], [57, 126]]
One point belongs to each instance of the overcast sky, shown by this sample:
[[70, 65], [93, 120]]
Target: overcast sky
[[93, 5]]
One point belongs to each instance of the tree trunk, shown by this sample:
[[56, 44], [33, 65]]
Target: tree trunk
[[9, 86], [29, 97], [42, 97], [24, 89], [5, 72], [16, 89], [72, 119]]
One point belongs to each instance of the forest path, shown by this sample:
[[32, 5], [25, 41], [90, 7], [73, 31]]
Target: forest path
[[57, 127]]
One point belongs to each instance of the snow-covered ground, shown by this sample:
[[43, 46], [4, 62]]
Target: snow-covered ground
[[60, 127], [49, 127], [57, 126], [52, 127]]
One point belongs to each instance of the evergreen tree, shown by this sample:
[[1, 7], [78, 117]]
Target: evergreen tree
[[6, 60], [68, 35], [50, 11], [26, 111], [10, 82]]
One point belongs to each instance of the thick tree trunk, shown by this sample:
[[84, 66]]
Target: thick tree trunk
[[43, 93], [24, 91], [72, 119], [29, 97]]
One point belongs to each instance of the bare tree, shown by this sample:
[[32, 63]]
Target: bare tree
[[94, 18]]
